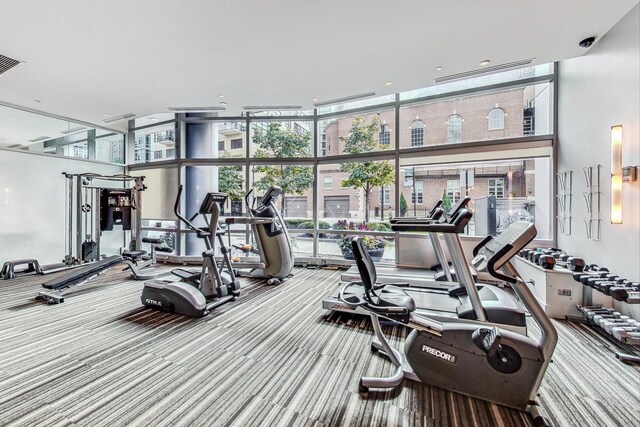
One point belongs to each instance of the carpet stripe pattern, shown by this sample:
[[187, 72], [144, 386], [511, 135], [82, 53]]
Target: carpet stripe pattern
[[274, 357]]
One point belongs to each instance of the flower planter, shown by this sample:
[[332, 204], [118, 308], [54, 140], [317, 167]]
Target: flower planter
[[376, 254]]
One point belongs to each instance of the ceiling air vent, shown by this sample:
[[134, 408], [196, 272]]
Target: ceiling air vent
[[194, 109], [118, 118], [18, 147], [7, 63], [40, 138], [272, 107], [345, 99], [487, 70]]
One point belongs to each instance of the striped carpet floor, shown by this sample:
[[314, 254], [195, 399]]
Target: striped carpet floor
[[272, 358]]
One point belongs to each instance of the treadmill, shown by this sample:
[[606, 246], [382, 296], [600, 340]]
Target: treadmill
[[439, 302], [418, 276]]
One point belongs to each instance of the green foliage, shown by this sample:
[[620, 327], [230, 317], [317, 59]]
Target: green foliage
[[230, 181], [322, 225], [403, 204], [379, 226], [446, 201], [277, 141], [365, 175]]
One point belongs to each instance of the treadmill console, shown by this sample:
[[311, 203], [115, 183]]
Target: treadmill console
[[504, 247]]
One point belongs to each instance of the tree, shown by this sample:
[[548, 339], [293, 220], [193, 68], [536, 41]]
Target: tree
[[446, 201], [276, 141], [230, 181], [403, 205], [365, 175]]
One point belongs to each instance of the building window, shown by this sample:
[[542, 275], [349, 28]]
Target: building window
[[454, 129], [236, 143], [496, 187], [385, 195], [417, 133], [385, 135], [157, 155], [496, 119], [417, 192], [323, 144], [453, 190], [328, 183], [220, 145], [171, 152]]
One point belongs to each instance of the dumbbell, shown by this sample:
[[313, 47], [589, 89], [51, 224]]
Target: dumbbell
[[608, 325], [629, 335], [602, 311], [623, 291], [598, 281], [570, 263], [585, 274]]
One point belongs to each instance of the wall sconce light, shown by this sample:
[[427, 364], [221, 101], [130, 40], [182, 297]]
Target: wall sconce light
[[616, 174]]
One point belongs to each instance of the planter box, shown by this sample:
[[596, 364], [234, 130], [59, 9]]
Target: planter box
[[376, 254]]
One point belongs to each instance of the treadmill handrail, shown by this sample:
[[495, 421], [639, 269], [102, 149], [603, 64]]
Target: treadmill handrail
[[456, 225], [437, 214]]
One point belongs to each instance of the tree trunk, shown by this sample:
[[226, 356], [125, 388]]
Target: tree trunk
[[367, 190]]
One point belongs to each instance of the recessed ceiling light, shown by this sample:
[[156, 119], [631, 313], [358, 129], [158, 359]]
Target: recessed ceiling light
[[107, 115], [224, 104], [438, 68], [153, 119], [221, 96], [314, 99], [388, 83], [485, 63]]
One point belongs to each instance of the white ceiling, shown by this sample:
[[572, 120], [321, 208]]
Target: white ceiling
[[85, 59]]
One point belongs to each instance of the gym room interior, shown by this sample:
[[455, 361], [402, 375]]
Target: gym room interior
[[336, 213]]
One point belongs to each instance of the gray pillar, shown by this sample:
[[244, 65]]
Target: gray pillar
[[199, 180], [91, 146]]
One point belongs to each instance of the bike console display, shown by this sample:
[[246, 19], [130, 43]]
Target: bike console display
[[497, 251]]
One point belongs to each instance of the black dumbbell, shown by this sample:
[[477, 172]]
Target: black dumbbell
[[621, 293], [570, 263]]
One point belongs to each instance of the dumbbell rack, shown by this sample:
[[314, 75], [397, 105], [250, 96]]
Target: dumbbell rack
[[592, 200], [621, 327], [565, 185]]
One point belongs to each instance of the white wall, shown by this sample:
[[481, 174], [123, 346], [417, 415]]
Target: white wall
[[33, 206], [597, 91]]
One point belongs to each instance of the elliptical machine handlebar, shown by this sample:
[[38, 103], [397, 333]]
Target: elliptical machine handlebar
[[192, 227]]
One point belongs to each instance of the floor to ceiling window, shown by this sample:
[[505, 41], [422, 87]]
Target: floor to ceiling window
[[489, 137]]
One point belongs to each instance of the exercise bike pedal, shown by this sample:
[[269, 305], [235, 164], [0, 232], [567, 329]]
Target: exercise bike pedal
[[487, 340], [362, 388]]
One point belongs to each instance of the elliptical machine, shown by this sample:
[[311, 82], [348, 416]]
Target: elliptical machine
[[271, 237], [485, 362], [199, 292]]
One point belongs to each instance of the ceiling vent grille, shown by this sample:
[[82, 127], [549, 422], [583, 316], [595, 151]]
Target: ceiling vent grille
[[40, 138], [487, 70], [7, 63], [118, 118], [345, 99], [18, 147], [194, 109], [272, 107]]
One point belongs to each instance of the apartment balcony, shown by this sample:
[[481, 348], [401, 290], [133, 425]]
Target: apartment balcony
[[233, 128]]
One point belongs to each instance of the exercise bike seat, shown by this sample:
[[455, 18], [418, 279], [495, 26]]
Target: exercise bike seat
[[392, 296]]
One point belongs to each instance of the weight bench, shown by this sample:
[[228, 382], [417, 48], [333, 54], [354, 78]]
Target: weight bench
[[60, 286], [137, 261]]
